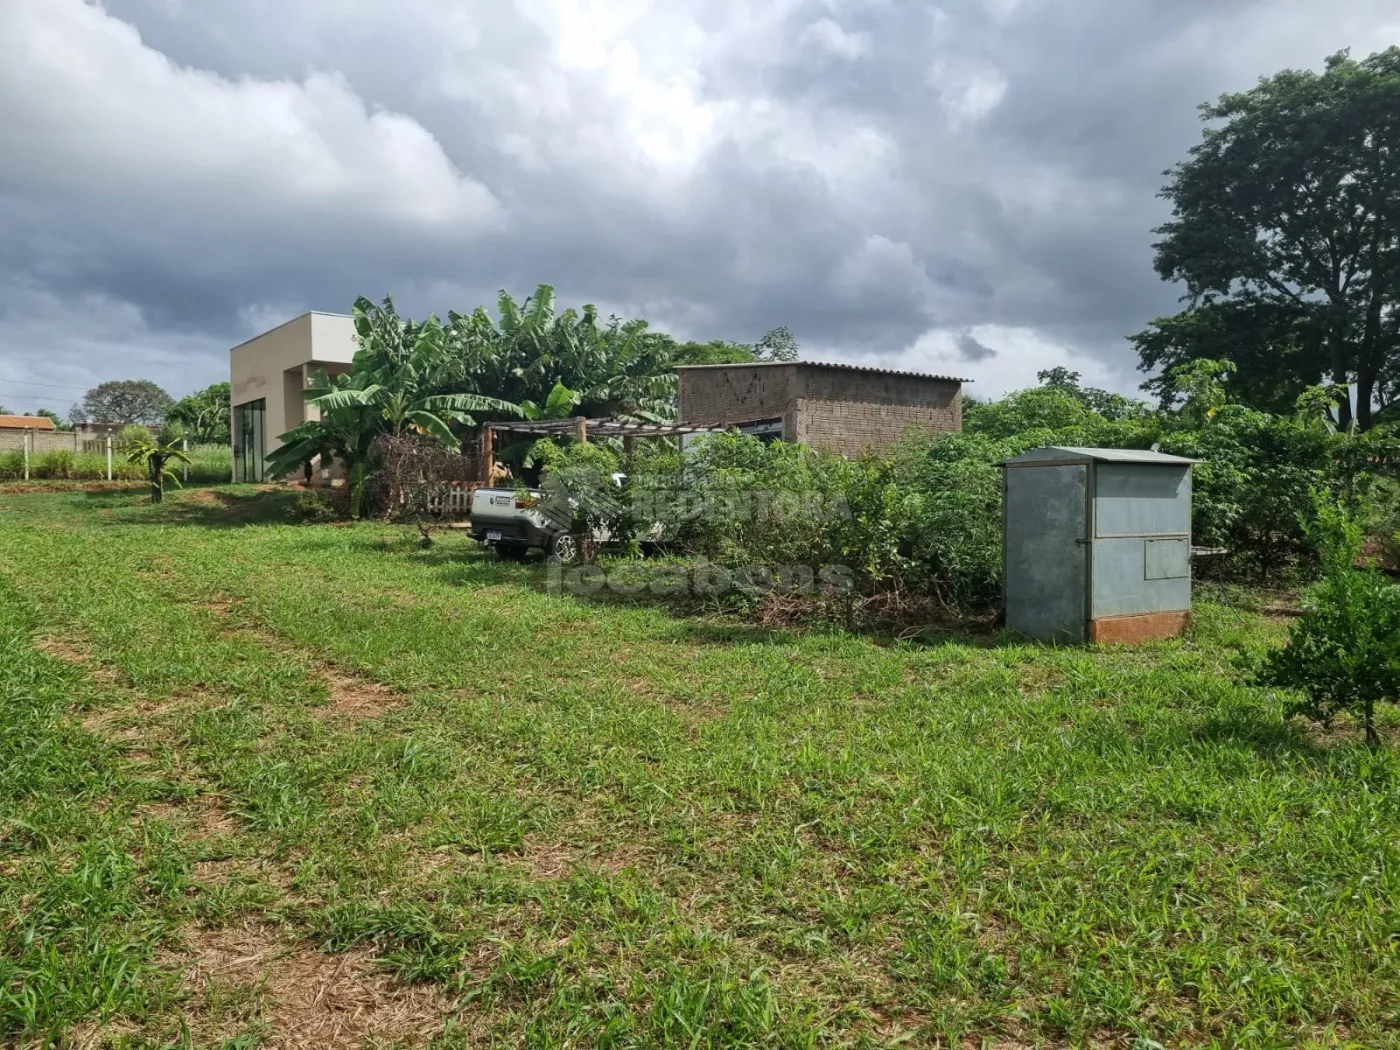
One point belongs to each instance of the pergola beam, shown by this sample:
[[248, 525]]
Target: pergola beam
[[581, 428]]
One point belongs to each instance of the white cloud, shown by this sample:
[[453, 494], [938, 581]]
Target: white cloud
[[102, 114], [721, 165], [883, 268], [969, 92], [827, 35], [1018, 354]]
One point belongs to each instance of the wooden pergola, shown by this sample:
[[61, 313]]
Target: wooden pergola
[[580, 428]]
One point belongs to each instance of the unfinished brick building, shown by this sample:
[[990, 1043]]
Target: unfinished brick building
[[848, 409]]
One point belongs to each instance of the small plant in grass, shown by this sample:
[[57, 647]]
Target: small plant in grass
[[158, 460], [314, 506], [1343, 653]]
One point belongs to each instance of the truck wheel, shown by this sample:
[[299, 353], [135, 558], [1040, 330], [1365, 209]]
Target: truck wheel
[[565, 547]]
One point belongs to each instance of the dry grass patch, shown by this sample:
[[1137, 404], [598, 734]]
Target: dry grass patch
[[356, 698], [558, 860], [69, 653], [203, 817], [250, 978]]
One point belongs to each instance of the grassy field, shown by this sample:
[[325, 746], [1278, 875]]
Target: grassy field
[[273, 784]]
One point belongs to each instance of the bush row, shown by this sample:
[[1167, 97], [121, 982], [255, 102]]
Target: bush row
[[209, 464], [927, 519]]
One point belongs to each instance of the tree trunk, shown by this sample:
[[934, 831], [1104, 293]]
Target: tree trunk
[[1368, 354], [1365, 391], [156, 466], [1336, 342], [1372, 737]]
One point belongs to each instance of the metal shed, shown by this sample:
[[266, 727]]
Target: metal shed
[[1097, 544]]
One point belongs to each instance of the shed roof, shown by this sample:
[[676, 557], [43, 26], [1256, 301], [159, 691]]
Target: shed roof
[[1062, 453], [826, 364], [26, 423]]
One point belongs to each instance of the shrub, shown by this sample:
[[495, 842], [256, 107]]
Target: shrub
[[314, 506], [926, 520], [1343, 653], [210, 464], [60, 464], [11, 465], [130, 436], [1383, 522], [1256, 471]]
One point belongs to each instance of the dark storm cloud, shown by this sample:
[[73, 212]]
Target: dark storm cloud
[[972, 350], [892, 180]]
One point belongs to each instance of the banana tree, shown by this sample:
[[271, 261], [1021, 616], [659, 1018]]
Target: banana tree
[[158, 460], [618, 368], [382, 395]]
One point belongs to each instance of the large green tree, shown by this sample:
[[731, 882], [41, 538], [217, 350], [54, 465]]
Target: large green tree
[[204, 414], [124, 401], [1286, 233]]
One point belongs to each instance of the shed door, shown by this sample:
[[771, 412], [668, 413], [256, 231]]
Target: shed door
[[1046, 551]]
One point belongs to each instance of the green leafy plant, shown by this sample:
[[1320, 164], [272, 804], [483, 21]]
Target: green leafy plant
[[205, 414], [1343, 654], [314, 506], [60, 465], [158, 461], [578, 489]]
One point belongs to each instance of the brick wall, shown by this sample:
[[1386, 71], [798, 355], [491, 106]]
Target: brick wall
[[837, 409], [739, 394], [852, 428]]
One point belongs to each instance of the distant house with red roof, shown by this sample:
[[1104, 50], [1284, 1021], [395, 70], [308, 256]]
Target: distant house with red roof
[[26, 423]]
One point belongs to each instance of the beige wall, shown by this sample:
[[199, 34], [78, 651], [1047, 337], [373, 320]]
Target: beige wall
[[13, 438], [277, 364]]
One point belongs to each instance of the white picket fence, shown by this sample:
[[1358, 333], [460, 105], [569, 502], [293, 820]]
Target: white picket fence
[[454, 501]]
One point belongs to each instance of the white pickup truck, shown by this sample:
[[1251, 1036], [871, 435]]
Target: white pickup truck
[[509, 522], [512, 522]]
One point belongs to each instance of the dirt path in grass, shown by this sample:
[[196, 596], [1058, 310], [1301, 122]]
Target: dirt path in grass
[[256, 977]]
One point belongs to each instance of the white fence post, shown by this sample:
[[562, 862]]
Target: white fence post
[[185, 447], [28, 440], [109, 457]]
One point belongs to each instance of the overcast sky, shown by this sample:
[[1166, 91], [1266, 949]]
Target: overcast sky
[[965, 187]]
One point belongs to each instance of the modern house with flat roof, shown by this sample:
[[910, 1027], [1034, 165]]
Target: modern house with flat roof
[[267, 375], [846, 409]]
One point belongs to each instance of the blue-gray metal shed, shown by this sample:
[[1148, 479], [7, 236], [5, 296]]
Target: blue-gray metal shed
[[1097, 544]]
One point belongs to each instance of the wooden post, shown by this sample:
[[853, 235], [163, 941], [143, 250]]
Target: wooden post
[[581, 430], [28, 440], [185, 448], [109, 457], [488, 454], [627, 440]]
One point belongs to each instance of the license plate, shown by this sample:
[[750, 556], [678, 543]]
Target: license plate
[[493, 536]]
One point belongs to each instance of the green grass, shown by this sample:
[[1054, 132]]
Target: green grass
[[571, 823]]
